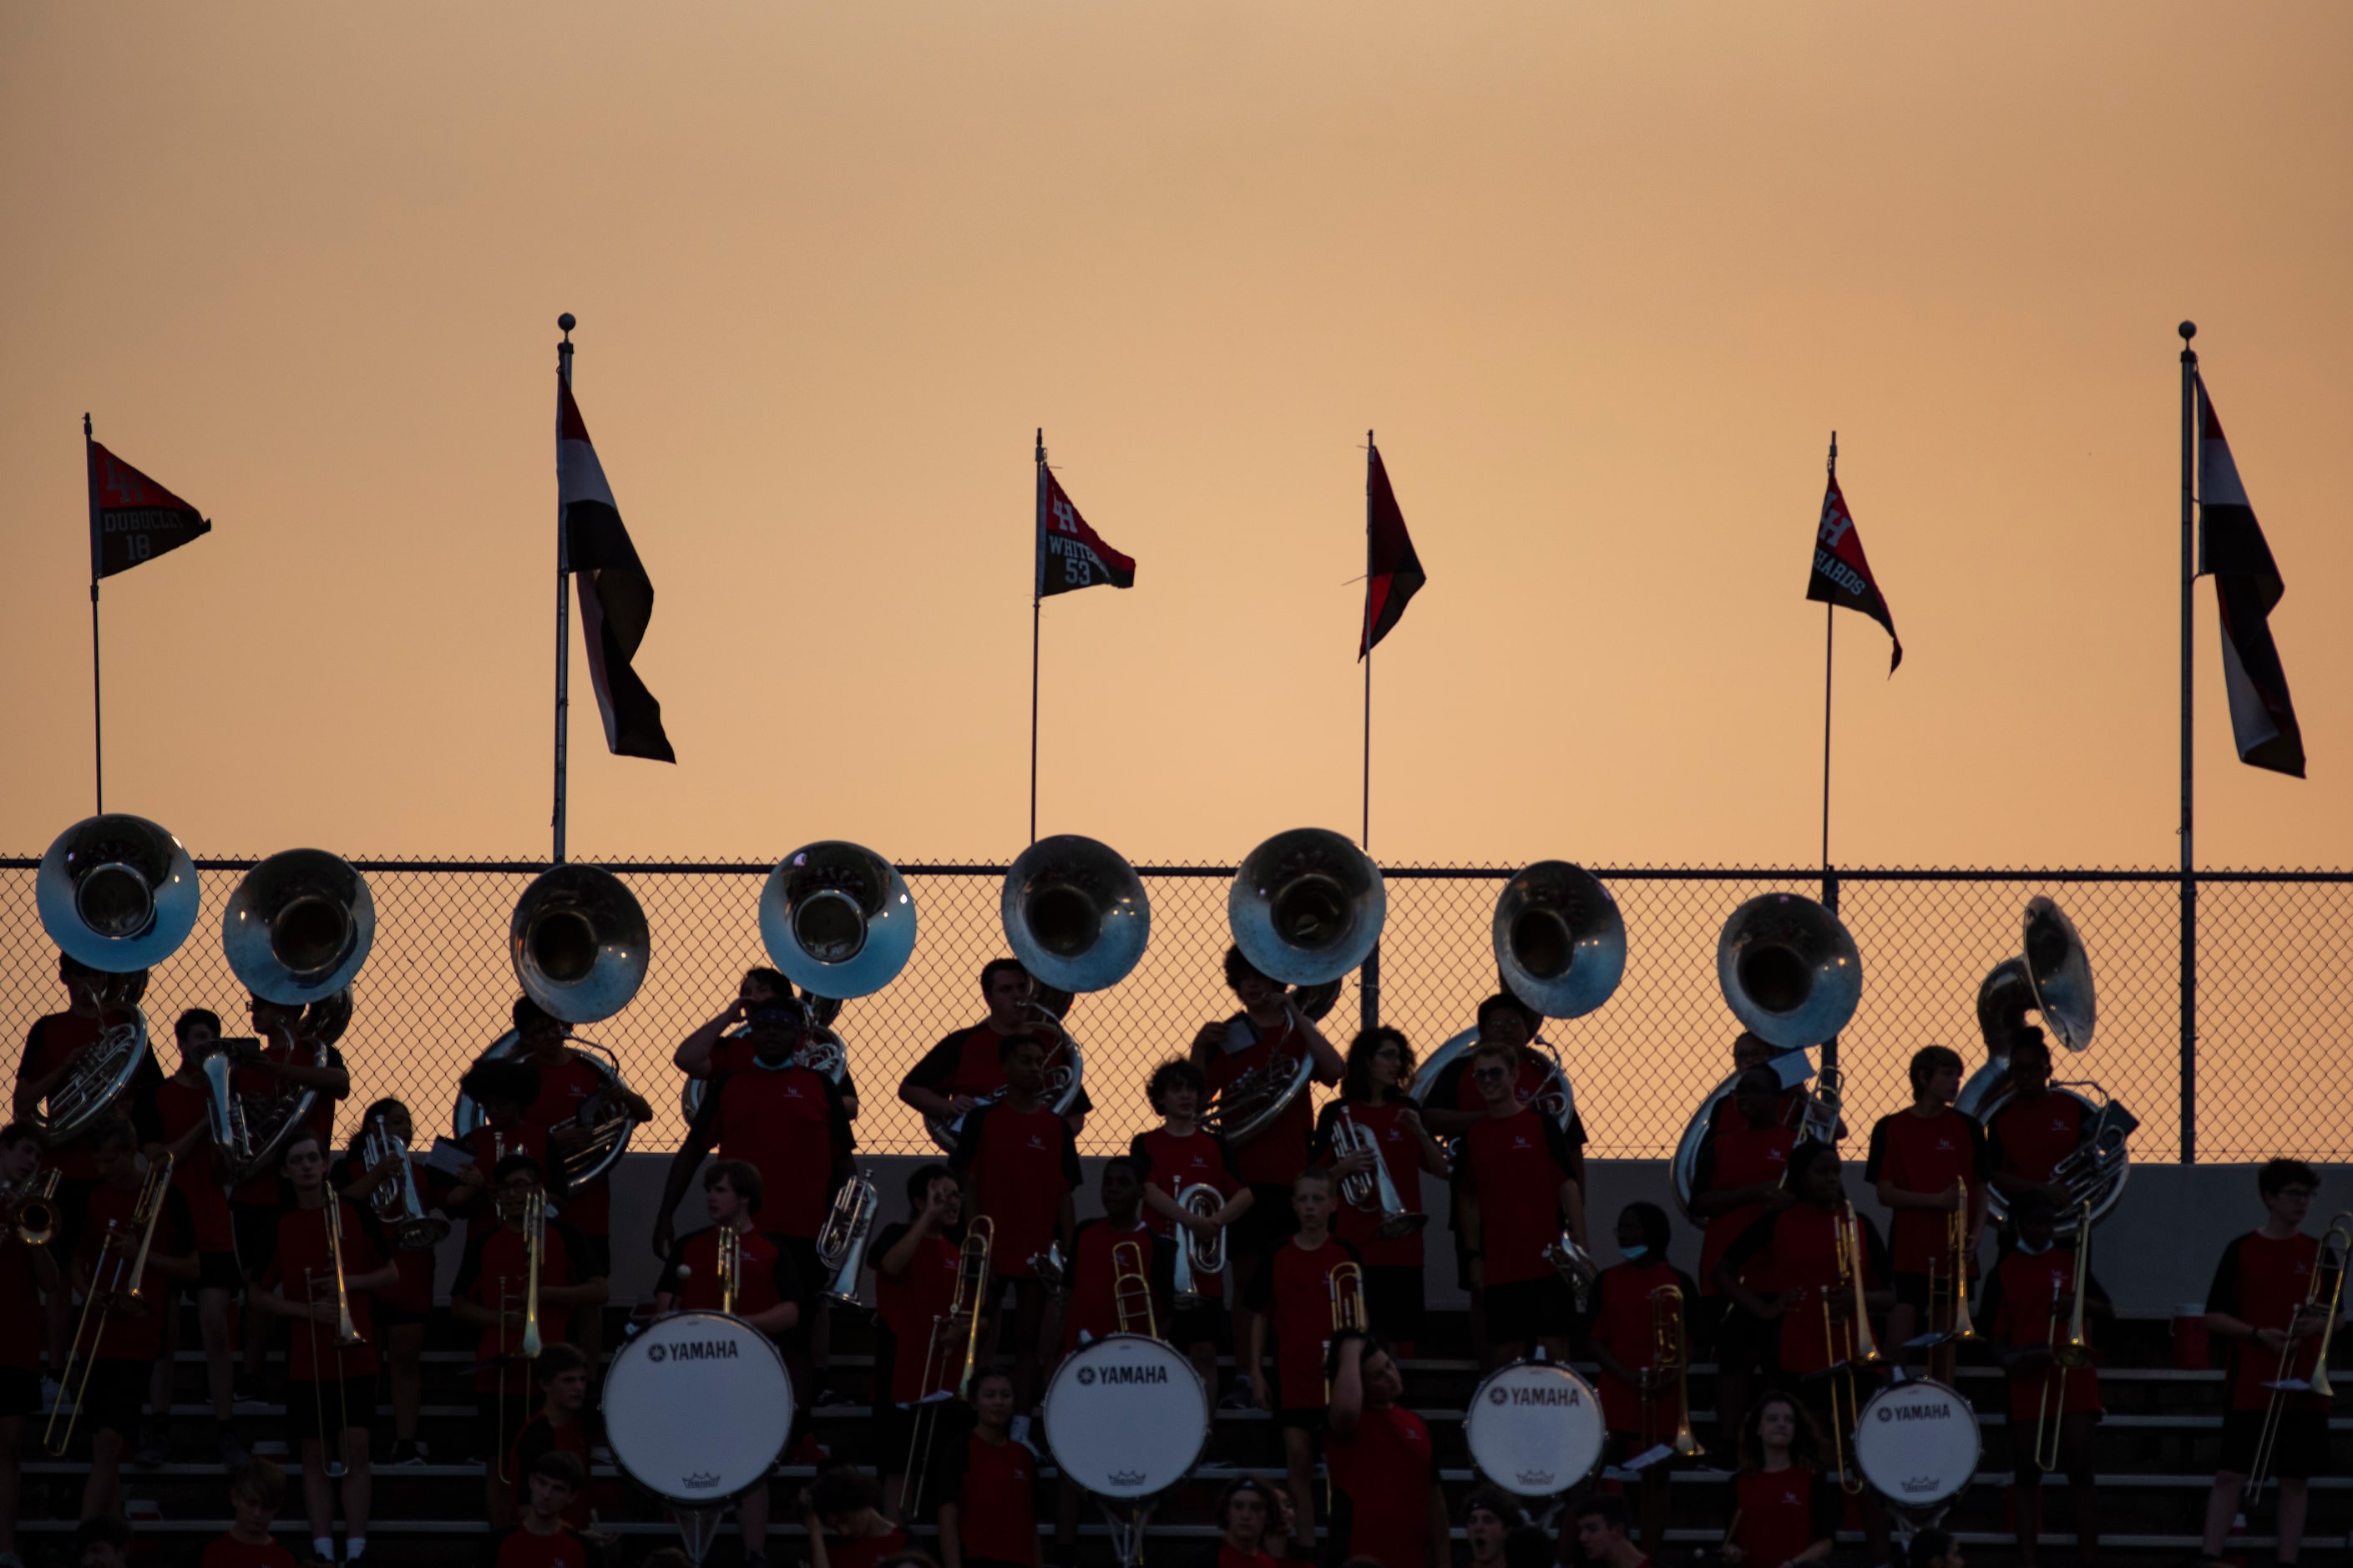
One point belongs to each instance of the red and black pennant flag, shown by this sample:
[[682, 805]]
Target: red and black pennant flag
[[1071, 555], [1841, 577], [616, 597], [131, 517], [1393, 573], [2247, 585]]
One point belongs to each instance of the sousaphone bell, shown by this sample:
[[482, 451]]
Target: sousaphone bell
[[1788, 969], [837, 919], [1560, 940], [1075, 914]]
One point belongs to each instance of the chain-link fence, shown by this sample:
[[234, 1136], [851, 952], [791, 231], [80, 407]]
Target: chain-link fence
[[2275, 997]]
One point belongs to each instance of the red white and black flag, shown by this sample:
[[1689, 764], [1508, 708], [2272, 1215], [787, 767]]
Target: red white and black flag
[[1841, 577], [1071, 555], [2247, 585], [616, 597], [131, 517], [1393, 573]]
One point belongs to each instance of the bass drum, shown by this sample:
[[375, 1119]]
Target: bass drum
[[1535, 1428], [1917, 1444], [1127, 1416], [697, 1407]]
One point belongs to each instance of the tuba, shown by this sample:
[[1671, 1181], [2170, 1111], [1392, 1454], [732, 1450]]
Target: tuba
[[1788, 969], [118, 895]]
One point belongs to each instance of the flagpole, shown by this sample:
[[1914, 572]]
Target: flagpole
[[1037, 599], [565, 323], [2188, 329], [1368, 980], [1830, 638], [97, 690]]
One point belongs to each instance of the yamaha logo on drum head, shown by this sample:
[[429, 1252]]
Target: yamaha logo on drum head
[[1498, 1396], [1086, 1375], [657, 1352]]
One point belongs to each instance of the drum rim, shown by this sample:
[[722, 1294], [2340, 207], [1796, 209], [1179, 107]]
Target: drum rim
[[1977, 1433], [605, 1395], [1592, 1397], [1208, 1415]]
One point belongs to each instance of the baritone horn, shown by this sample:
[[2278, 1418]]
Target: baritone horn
[[841, 1244], [397, 1202], [1788, 969], [1199, 1257], [1373, 1191]]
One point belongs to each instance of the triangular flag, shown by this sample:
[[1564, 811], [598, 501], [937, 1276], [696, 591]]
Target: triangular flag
[[131, 517], [1071, 555], [1840, 576], [1393, 573]]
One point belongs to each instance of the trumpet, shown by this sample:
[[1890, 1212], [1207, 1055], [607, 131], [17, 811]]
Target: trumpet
[[108, 1294], [1131, 1291], [1671, 1351], [2067, 1354], [1374, 1190], [31, 1210], [1197, 1257], [841, 1244], [2339, 1236], [966, 1306], [396, 1201]]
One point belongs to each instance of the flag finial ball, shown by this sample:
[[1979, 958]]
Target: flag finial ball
[[2188, 329], [564, 322]]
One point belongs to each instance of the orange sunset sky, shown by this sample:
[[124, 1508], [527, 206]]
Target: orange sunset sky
[[1603, 278]]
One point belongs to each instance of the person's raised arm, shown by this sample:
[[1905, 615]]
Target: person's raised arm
[[814, 1528], [700, 1139], [1348, 1390], [1330, 1068], [693, 1057]]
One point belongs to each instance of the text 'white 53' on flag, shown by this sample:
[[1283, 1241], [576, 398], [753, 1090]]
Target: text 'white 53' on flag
[[616, 597], [2231, 549]]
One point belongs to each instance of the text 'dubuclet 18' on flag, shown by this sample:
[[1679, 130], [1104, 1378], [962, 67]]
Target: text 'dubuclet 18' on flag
[[1393, 573], [1842, 575], [616, 597], [131, 517], [2247, 585], [1071, 555]]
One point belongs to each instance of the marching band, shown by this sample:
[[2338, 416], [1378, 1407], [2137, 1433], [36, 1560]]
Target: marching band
[[1245, 1223]]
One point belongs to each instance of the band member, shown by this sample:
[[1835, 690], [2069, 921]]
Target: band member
[[1784, 1510], [1641, 1400], [1749, 1050], [402, 1311], [257, 1491], [966, 1069], [2261, 1303], [1488, 1518], [1172, 1157], [1254, 1527], [492, 1293], [282, 1064], [101, 1542], [1020, 1167], [502, 1091], [561, 1425], [184, 1131], [1601, 1539], [1517, 1189], [323, 1271], [568, 1087], [1294, 1293], [122, 1341], [987, 1487], [541, 1537], [1740, 1175], [1094, 1306], [2028, 1304], [2034, 1129], [914, 1283], [716, 1046], [1928, 1161], [1270, 1032], [1385, 1501], [26, 1273], [1934, 1549], [841, 1511], [1372, 1095]]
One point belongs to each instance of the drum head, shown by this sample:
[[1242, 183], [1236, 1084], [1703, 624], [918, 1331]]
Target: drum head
[[1127, 1416], [1535, 1428], [1917, 1442], [698, 1407]]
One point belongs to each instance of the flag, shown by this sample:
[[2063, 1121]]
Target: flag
[[2231, 548], [1393, 573], [616, 597], [1071, 555], [131, 517], [1841, 577]]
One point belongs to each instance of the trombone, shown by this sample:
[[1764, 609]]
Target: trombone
[[108, 1293], [2067, 1354], [971, 1286], [534, 1241], [1671, 1349], [730, 1268], [1961, 1328], [2338, 1235], [1131, 1291], [1861, 1349], [347, 1334]]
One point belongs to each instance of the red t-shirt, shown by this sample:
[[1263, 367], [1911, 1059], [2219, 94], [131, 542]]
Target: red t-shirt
[[790, 1125], [179, 1107], [495, 1275], [1727, 1115], [266, 1188], [966, 1062], [1736, 1157], [1276, 1155], [228, 1552], [1622, 1324], [47, 1044], [1022, 1163], [565, 1085], [1293, 1288], [2262, 1281], [541, 1436], [767, 1276], [521, 1549], [1924, 1154], [1798, 1250], [2027, 1137], [907, 1308], [1780, 1513], [1093, 1308], [1229, 1558], [2017, 1310], [127, 1336], [1381, 1480], [865, 1552], [994, 1486], [1515, 1166], [1172, 1164], [1402, 1153], [21, 1323], [303, 1270]]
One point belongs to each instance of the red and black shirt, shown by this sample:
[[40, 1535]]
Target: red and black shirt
[[1276, 1155], [2028, 1138], [908, 1310], [228, 1552], [1400, 1153], [496, 1274], [1925, 1154], [303, 1270], [1780, 1513], [994, 1487], [2017, 1307], [967, 1063], [2261, 1283], [1737, 1156], [790, 1124], [1173, 1163], [1798, 1249], [1094, 1306], [1623, 1325], [1293, 1288], [769, 1276], [110, 1213], [49, 1044], [1381, 1481], [1455, 1088], [1022, 1163], [1514, 1165]]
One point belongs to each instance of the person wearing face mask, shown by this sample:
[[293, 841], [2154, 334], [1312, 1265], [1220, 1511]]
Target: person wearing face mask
[[1641, 1399], [1372, 1095], [1741, 1175], [2027, 1306]]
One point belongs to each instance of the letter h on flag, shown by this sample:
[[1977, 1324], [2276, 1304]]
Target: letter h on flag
[[1841, 577], [1071, 555]]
